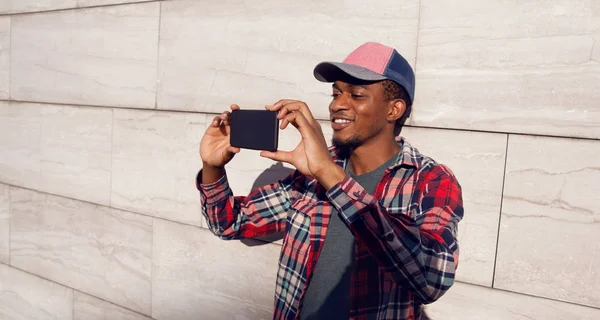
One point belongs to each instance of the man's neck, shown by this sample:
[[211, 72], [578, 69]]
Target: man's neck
[[371, 155]]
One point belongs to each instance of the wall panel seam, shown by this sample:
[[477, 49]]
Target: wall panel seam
[[318, 119], [500, 213], [10, 50], [156, 82], [77, 7]]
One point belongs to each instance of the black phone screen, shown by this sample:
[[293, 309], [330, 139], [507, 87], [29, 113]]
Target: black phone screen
[[254, 129]]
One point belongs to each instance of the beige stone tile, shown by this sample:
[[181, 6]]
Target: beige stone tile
[[18, 6], [76, 148], [20, 130], [264, 51], [469, 302], [114, 249], [549, 240], [87, 307], [4, 223], [477, 160], [40, 239], [4, 57], [98, 250], [26, 297], [155, 162], [198, 276], [96, 56], [490, 66]]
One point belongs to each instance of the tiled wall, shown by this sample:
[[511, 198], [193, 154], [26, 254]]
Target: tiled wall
[[103, 104]]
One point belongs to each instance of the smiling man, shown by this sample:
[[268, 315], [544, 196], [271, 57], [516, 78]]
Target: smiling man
[[370, 223]]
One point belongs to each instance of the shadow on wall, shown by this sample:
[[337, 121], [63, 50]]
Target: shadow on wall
[[273, 173]]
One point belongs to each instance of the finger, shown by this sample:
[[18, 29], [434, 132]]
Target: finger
[[283, 156], [285, 122], [226, 117], [281, 103], [283, 112], [275, 106], [233, 149], [298, 120], [292, 106], [216, 122], [286, 109], [234, 107]]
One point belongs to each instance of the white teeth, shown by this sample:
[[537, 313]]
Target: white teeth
[[341, 121]]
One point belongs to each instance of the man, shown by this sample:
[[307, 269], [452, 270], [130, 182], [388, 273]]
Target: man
[[370, 223]]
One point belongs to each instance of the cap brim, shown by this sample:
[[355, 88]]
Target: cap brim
[[337, 71]]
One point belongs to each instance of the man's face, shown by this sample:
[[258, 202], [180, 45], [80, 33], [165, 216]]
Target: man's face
[[358, 113]]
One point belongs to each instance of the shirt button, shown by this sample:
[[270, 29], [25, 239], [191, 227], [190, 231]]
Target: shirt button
[[389, 237], [356, 194]]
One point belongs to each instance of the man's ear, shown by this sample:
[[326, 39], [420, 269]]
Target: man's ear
[[397, 109]]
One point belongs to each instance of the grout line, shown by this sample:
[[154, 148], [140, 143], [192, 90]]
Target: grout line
[[500, 213], [10, 50], [210, 113], [77, 7], [417, 40], [74, 289], [156, 79], [9, 222], [112, 148], [73, 304], [505, 132], [409, 120], [152, 269], [81, 105]]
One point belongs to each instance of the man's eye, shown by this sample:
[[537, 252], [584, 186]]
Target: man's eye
[[357, 96], [335, 95]]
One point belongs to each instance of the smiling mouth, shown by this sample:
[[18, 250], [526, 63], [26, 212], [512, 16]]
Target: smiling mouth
[[340, 124], [341, 121]]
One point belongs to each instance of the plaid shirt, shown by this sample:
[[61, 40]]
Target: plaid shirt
[[406, 251]]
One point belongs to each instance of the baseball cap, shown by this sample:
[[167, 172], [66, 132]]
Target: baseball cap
[[371, 61]]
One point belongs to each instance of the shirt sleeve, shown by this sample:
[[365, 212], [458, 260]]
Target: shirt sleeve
[[418, 251], [262, 212]]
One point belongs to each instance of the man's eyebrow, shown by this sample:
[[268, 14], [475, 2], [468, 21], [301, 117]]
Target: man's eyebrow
[[335, 86]]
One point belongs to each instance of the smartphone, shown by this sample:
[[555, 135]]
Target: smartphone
[[254, 129]]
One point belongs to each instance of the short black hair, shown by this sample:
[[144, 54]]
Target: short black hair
[[392, 91]]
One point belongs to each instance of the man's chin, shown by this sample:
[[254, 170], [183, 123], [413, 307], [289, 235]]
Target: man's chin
[[344, 147]]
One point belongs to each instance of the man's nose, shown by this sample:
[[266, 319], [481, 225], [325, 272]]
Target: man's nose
[[341, 103]]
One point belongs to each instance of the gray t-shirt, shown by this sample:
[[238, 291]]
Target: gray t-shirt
[[328, 294]]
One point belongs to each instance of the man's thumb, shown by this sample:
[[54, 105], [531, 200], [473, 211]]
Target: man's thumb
[[277, 156]]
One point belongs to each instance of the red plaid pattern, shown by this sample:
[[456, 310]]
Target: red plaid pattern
[[406, 251]]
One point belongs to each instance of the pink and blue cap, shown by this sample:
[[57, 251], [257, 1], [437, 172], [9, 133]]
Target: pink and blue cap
[[370, 62]]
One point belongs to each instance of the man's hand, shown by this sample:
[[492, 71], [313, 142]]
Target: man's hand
[[215, 149], [311, 156]]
